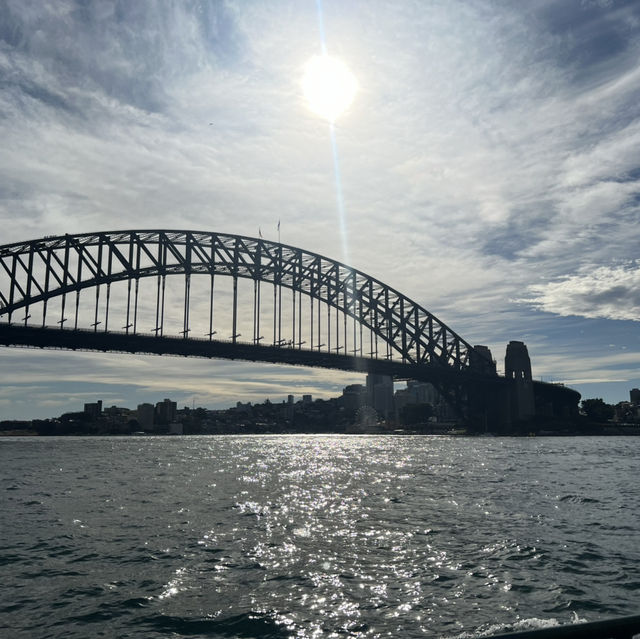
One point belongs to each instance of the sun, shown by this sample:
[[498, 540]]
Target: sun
[[328, 86]]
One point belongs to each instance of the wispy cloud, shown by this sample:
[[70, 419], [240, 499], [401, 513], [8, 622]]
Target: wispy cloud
[[28, 385], [607, 292]]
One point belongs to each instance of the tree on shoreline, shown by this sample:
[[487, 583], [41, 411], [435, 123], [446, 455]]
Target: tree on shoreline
[[597, 410]]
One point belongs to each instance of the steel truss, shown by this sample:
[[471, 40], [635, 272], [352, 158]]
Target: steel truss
[[399, 329]]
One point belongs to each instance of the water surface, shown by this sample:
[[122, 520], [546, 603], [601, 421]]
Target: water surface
[[315, 536]]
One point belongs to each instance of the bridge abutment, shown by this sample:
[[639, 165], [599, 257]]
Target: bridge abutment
[[502, 404]]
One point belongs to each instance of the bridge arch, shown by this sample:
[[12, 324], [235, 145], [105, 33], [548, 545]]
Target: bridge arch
[[37, 271]]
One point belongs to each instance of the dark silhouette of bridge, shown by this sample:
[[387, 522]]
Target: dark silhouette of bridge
[[216, 295]]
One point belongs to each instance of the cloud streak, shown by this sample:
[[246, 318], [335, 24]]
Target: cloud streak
[[596, 292]]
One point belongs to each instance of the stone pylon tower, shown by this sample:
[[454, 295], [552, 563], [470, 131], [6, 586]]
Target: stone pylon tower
[[517, 369]]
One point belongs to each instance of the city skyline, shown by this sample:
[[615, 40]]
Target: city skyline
[[487, 168], [384, 404]]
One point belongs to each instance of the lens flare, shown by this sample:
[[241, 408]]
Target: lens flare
[[328, 86]]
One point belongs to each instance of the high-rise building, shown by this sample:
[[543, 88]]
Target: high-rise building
[[166, 411], [380, 394], [354, 396], [94, 409], [634, 395], [146, 414], [423, 393]]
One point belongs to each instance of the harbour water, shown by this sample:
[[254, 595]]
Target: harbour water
[[315, 536]]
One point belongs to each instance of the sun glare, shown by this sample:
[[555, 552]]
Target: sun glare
[[328, 86]]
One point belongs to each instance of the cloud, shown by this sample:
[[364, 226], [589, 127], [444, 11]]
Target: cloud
[[30, 388], [491, 147], [590, 380], [607, 292]]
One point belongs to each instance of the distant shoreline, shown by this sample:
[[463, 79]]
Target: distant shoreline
[[628, 431]]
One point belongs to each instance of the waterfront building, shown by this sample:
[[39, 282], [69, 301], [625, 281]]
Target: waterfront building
[[626, 412], [94, 410], [166, 411], [146, 414], [380, 394], [175, 428], [423, 393], [290, 408], [353, 397], [416, 393], [245, 409], [117, 413]]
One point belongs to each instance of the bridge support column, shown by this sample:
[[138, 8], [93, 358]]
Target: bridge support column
[[498, 404], [234, 337], [517, 370], [489, 405]]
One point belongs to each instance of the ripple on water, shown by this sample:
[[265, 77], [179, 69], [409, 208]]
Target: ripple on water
[[309, 536]]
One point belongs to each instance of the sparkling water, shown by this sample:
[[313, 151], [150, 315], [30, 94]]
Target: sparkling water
[[315, 536]]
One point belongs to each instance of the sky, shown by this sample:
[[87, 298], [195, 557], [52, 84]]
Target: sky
[[488, 168]]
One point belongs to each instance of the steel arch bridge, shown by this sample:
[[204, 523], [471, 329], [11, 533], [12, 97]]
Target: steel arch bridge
[[69, 291]]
